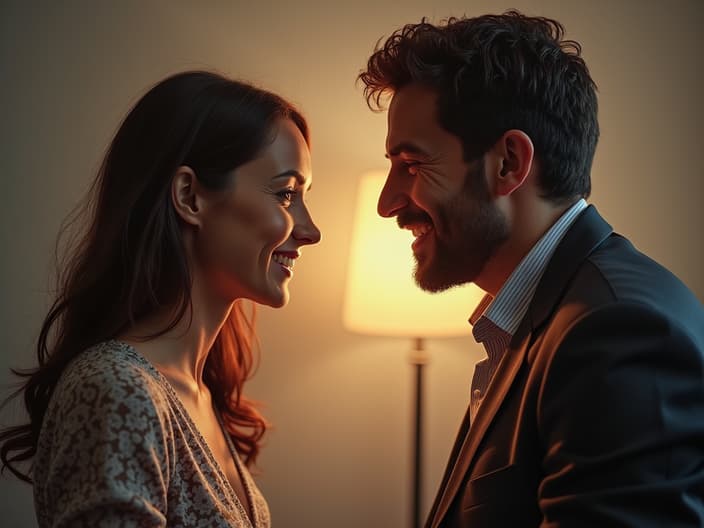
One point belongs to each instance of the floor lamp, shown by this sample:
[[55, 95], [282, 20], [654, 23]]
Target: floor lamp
[[382, 299]]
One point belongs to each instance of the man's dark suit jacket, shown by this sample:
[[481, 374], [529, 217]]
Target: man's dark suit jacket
[[595, 416]]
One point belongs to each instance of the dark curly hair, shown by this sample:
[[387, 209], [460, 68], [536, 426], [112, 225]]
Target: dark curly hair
[[495, 73]]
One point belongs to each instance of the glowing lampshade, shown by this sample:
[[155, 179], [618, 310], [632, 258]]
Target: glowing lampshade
[[381, 296]]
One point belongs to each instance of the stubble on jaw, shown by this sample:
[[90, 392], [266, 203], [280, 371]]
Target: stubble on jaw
[[472, 230]]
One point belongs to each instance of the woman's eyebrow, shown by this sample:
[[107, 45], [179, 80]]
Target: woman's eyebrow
[[300, 179]]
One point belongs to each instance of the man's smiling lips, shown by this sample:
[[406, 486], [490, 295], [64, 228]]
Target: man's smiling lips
[[420, 232], [419, 229]]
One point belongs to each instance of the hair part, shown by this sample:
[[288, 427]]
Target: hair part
[[495, 73], [129, 260]]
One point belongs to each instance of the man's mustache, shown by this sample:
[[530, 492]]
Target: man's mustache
[[406, 218]]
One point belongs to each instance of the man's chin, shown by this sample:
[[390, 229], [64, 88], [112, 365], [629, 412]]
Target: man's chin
[[434, 277], [435, 281]]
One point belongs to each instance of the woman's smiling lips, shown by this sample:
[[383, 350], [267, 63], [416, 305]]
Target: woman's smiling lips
[[286, 260]]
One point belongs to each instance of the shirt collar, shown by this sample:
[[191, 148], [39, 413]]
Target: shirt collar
[[510, 305]]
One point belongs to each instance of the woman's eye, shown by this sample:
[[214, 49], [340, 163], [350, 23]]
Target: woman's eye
[[286, 196]]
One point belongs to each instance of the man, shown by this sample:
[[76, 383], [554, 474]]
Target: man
[[589, 409]]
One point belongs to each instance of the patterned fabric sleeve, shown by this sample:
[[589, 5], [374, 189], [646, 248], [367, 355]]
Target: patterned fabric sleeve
[[104, 450]]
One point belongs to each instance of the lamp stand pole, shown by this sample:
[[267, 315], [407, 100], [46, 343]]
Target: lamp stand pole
[[419, 358]]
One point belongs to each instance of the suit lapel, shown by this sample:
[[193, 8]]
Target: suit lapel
[[464, 428], [586, 234], [495, 394]]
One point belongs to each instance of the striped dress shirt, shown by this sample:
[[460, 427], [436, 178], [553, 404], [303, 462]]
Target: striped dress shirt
[[495, 320]]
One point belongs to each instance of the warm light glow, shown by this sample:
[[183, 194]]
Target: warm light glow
[[381, 297]]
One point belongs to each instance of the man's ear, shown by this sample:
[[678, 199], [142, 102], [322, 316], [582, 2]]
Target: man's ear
[[185, 196], [514, 153]]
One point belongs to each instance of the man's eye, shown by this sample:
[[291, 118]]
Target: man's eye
[[412, 166]]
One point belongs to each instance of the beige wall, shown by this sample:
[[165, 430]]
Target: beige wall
[[339, 453]]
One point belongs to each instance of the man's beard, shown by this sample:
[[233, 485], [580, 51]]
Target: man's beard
[[472, 229]]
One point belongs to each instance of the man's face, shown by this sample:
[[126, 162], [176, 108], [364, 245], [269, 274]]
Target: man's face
[[434, 192]]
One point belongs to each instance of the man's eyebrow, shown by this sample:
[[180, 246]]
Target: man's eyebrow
[[407, 147], [300, 179]]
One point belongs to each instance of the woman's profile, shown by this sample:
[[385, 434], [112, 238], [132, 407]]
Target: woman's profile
[[136, 410]]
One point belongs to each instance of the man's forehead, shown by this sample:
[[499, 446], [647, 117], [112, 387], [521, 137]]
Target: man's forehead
[[414, 99], [412, 115]]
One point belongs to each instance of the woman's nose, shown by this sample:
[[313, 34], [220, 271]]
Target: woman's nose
[[305, 231]]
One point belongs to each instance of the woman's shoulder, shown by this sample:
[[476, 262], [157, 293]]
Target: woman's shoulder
[[109, 374], [112, 362], [105, 437]]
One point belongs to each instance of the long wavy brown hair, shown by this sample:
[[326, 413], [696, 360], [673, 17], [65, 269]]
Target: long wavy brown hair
[[127, 259]]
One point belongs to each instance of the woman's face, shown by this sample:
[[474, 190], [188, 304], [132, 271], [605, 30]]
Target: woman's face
[[251, 233]]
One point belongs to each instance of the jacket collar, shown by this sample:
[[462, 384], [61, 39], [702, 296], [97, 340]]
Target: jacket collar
[[587, 232]]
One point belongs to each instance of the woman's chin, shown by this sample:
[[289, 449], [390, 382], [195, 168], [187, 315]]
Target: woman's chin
[[277, 299], [279, 304]]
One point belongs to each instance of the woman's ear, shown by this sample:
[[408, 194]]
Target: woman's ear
[[514, 151], [185, 196]]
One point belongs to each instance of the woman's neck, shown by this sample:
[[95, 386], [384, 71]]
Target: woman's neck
[[181, 352]]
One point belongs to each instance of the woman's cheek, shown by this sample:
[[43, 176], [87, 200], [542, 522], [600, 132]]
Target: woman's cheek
[[280, 226]]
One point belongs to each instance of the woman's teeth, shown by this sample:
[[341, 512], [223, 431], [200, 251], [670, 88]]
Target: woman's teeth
[[283, 260]]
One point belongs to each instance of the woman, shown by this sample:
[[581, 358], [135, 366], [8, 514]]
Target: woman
[[137, 416]]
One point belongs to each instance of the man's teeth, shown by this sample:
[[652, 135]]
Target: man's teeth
[[420, 230], [284, 260]]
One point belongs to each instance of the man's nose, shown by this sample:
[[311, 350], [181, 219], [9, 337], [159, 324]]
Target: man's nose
[[392, 197]]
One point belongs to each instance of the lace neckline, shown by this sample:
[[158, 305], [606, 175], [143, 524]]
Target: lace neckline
[[164, 382]]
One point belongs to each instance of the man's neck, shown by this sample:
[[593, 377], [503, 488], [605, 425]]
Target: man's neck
[[529, 222]]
